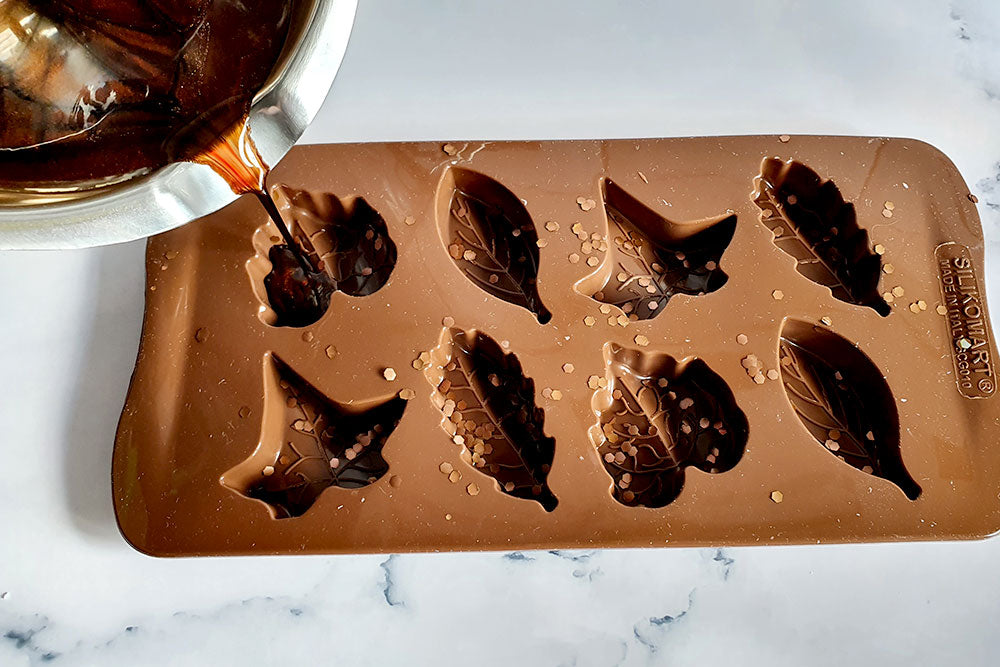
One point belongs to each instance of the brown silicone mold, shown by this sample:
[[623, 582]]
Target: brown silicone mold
[[744, 340]]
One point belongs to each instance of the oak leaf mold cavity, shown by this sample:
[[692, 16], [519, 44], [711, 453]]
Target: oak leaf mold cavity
[[491, 238], [657, 416], [811, 222], [842, 399], [309, 443], [651, 259], [345, 244], [488, 408]]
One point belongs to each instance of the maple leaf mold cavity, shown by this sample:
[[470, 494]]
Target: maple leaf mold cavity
[[490, 237], [651, 259]]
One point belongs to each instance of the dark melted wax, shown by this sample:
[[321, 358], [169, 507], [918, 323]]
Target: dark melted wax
[[298, 292], [99, 89]]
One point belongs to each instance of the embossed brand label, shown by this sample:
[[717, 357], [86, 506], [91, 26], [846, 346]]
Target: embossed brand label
[[968, 324]]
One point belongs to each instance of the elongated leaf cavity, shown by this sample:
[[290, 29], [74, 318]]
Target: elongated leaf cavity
[[491, 239], [843, 401], [488, 409], [812, 223]]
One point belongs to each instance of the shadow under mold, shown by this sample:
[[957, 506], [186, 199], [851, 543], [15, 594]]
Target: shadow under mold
[[111, 342]]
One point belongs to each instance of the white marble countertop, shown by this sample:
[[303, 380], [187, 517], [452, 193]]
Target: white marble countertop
[[72, 592]]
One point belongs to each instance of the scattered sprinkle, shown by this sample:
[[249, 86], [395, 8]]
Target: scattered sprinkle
[[454, 477], [888, 268], [472, 489], [541, 243], [879, 249], [448, 321], [889, 298], [593, 261], [556, 395], [331, 351], [643, 177], [244, 412], [593, 382], [171, 254], [395, 481], [742, 339], [590, 320], [964, 343], [914, 307], [389, 374], [832, 445], [773, 374], [267, 471], [449, 149], [552, 226], [777, 496], [547, 392], [898, 291], [886, 213], [407, 394], [778, 295], [568, 368], [826, 320], [447, 517], [941, 310], [641, 340], [922, 304], [574, 258], [446, 468], [307, 336], [759, 378], [784, 138], [889, 205], [586, 204], [201, 335], [410, 220], [973, 198]]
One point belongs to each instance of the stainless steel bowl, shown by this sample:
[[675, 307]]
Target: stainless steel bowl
[[182, 192]]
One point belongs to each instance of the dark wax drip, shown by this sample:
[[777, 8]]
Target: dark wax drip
[[272, 210]]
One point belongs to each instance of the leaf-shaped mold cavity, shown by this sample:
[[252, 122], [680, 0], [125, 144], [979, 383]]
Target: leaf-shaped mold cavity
[[488, 408], [309, 442], [811, 222], [344, 242], [650, 258], [490, 237], [842, 399], [657, 416]]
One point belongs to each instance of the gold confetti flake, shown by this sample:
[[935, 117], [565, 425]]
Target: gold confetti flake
[[472, 489], [267, 471], [590, 320], [879, 249], [448, 321], [643, 177], [389, 374], [759, 378], [593, 261], [454, 477], [574, 258], [446, 468], [407, 394], [449, 149], [777, 496], [641, 340], [552, 226], [898, 291], [886, 213], [784, 138], [244, 412], [331, 351], [410, 220], [568, 368], [778, 295], [773, 374], [742, 339], [593, 382], [556, 395], [941, 310], [888, 268], [922, 304], [914, 307], [889, 205], [201, 335]]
